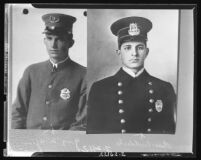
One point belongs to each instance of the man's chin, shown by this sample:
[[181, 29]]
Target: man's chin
[[135, 67]]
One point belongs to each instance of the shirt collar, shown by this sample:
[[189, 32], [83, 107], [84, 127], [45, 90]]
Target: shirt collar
[[56, 64], [131, 73]]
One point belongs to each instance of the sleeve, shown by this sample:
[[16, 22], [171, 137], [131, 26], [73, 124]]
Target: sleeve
[[172, 111], [20, 105], [80, 119]]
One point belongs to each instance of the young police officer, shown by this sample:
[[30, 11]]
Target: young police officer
[[131, 101], [52, 94]]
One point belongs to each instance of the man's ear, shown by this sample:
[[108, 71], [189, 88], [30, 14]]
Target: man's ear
[[118, 52], [71, 43], [147, 50]]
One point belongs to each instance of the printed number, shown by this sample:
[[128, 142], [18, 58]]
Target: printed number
[[112, 154]]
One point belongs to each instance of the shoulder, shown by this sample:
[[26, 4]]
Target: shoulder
[[36, 66], [161, 84], [78, 68], [105, 81], [159, 81], [103, 84]]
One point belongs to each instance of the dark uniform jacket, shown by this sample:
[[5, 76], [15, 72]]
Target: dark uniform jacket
[[123, 104], [49, 98]]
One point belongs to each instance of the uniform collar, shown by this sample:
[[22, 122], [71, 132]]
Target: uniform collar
[[57, 64], [131, 73], [56, 67], [121, 75]]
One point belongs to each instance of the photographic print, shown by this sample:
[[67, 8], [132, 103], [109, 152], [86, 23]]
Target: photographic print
[[99, 80]]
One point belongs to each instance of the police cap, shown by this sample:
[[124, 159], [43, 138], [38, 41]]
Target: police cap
[[131, 29], [57, 23]]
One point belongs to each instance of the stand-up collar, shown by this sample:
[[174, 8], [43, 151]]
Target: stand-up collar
[[131, 73], [59, 65], [123, 76]]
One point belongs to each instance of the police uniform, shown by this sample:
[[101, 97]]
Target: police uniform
[[50, 97], [123, 103]]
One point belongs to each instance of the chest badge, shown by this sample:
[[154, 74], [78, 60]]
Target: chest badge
[[65, 93], [159, 105]]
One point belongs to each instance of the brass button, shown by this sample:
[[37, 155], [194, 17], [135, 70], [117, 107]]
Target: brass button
[[151, 100], [149, 119], [120, 92], [45, 118], [50, 86], [121, 111], [150, 110], [47, 102], [123, 121], [119, 84], [150, 83], [149, 130], [120, 101], [123, 131], [151, 91]]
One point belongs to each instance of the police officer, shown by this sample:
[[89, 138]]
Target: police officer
[[131, 101], [52, 94]]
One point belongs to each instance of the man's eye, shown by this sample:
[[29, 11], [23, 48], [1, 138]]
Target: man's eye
[[49, 38], [60, 39], [127, 47], [140, 48]]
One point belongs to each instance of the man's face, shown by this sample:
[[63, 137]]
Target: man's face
[[133, 54], [57, 47]]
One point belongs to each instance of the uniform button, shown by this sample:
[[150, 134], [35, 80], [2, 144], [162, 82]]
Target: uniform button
[[123, 121], [150, 83], [120, 101], [121, 111], [47, 102], [149, 130], [50, 86], [151, 100], [45, 118], [151, 91], [120, 92], [150, 110], [149, 119], [123, 131], [119, 84]]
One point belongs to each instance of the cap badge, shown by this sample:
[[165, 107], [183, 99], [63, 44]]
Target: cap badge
[[159, 105], [53, 19], [65, 93], [133, 29]]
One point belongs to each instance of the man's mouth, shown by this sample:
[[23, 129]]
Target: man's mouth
[[134, 60]]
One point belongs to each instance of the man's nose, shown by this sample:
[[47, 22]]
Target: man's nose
[[54, 44], [134, 52]]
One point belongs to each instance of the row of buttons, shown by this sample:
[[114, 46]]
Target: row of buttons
[[151, 91], [47, 102], [121, 111], [120, 101]]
